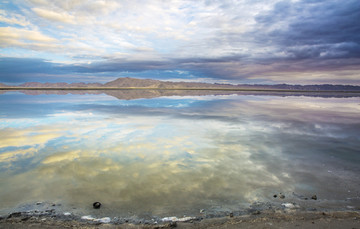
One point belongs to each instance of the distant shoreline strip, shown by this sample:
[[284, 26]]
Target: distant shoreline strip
[[171, 89]]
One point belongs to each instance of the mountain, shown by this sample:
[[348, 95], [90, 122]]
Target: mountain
[[149, 83], [157, 84]]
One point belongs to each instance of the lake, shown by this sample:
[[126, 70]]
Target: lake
[[178, 155]]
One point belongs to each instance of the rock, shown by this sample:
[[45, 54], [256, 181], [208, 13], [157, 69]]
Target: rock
[[38, 203], [282, 196], [104, 220], [275, 196], [314, 197], [15, 214], [67, 213], [256, 212], [87, 217], [26, 218], [96, 205], [202, 210], [231, 215]]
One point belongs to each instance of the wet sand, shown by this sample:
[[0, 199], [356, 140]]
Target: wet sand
[[338, 219]]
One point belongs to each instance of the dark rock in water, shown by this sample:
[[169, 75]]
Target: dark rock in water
[[282, 196], [314, 197], [96, 205], [231, 215], [275, 196], [15, 214]]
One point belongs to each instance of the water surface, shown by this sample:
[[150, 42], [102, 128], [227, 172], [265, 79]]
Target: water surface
[[176, 155]]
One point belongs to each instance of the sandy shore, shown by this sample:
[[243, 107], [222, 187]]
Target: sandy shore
[[339, 219]]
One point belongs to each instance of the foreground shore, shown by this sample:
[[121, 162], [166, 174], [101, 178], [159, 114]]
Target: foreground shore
[[337, 219]]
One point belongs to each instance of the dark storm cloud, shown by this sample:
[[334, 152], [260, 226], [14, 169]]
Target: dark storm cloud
[[15, 70], [302, 36], [313, 29]]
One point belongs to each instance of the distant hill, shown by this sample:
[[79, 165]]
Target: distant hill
[[148, 83], [59, 85], [157, 84]]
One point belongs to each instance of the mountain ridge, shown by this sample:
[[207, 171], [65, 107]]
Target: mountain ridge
[[136, 83]]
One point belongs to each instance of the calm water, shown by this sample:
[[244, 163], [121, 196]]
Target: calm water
[[176, 155]]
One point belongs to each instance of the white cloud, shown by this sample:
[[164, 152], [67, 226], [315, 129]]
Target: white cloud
[[10, 36], [13, 19], [55, 16]]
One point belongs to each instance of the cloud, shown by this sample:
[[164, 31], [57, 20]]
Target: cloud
[[14, 19], [29, 39], [308, 29], [55, 16], [249, 41]]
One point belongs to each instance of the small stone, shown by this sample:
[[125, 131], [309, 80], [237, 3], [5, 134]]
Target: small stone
[[231, 215], [202, 210], [256, 213], [105, 220], [275, 196], [96, 205], [314, 197], [38, 203], [25, 218], [282, 196], [173, 224]]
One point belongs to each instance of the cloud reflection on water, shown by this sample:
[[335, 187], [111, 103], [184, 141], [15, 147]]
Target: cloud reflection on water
[[165, 160]]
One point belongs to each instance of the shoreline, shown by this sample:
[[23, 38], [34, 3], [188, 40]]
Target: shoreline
[[283, 212], [264, 219], [174, 89]]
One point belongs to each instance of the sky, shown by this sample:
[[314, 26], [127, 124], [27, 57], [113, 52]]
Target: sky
[[223, 41]]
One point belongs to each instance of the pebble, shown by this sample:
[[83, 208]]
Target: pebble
[[104, 220], [67, 213], [96, 205], [202, 210], [282, 196], [288, 205], [314, 197]]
